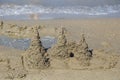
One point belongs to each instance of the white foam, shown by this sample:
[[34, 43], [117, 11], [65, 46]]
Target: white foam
[[6, 10]]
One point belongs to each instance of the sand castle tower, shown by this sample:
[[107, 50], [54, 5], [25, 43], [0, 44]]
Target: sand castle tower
[[60, 49], [78, 49], [61, 38], [35, 57], [83, 52], [83, 46]]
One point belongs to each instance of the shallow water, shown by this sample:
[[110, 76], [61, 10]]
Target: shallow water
[[52, 9], [24, 44]]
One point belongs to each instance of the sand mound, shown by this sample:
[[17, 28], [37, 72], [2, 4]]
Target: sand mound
[[35, 57]]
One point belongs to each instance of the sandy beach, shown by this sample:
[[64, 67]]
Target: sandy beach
[[99, 33], [102, 35]]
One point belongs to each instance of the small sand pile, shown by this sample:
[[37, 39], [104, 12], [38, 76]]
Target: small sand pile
[[35, 57], [64, 54], [16, 31], [12, 30]]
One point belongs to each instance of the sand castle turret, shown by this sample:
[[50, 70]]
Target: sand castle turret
[[61, 38], [83, 46], [60, 49], [83, 52], [35, 41], [78, 49], [35, 57]]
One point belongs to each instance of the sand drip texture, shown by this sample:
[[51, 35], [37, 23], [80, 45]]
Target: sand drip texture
[[35, 57], [64, 53], [58, 56]]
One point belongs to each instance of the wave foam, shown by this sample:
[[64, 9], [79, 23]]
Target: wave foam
[[6, 10]]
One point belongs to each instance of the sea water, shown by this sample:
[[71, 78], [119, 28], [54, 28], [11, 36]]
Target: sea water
[[58, 9], [24, 43]]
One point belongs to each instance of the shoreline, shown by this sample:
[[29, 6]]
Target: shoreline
[[61, 21], [81, 18]]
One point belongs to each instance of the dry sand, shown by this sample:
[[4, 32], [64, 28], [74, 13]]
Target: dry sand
[[102, 35]]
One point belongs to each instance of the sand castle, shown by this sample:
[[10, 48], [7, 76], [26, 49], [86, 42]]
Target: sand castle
[[35, 57]]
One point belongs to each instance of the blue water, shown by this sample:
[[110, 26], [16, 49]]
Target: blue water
[[24, 43], [58, 9]]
